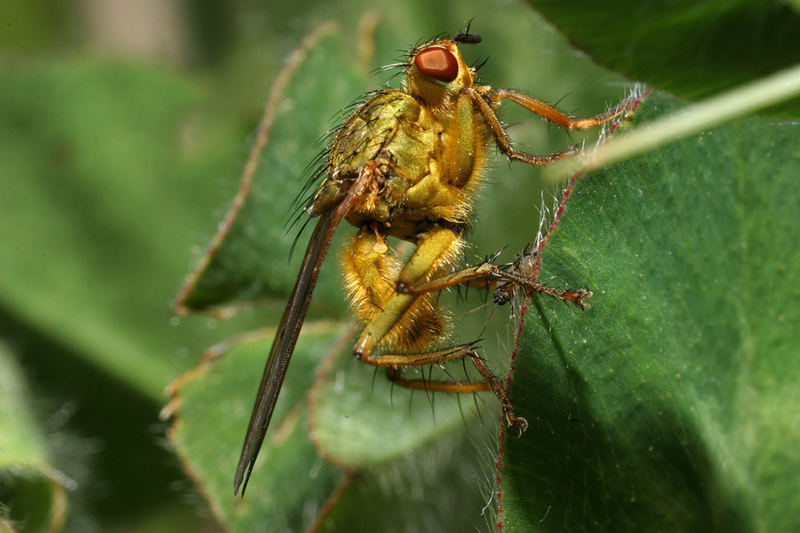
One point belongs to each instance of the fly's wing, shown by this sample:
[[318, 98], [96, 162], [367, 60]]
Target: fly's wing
[[282, 348], [289, 329]]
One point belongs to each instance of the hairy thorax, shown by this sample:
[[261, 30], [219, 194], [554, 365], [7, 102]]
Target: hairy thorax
[[428, 159]]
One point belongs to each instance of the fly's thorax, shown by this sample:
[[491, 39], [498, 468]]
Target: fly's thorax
[[391, 129], [369, 130], [358, 140]]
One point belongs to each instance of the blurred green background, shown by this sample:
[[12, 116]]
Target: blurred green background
[[124, 127]]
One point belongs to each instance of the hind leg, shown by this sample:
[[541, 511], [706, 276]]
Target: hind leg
[[406, 325]]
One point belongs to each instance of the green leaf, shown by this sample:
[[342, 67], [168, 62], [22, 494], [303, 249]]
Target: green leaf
[[307, 95], [693, 49], [671, 400], [32, 492], [213, 402], [361, 420], [300, 467]]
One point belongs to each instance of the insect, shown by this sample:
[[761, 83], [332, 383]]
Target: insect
[[407, 164]]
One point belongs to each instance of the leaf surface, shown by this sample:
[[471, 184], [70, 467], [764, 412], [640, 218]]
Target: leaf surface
[[671, 401]]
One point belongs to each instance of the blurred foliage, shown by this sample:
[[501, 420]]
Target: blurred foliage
[[116, 165], [26, 476], [30, 27], [693, 51]]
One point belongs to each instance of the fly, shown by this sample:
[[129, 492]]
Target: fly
[[406, 164]]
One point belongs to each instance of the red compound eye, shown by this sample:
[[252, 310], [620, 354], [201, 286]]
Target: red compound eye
[[437, 63]]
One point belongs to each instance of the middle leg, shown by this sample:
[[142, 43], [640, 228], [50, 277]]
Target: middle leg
[[407, 325], [498, 279]]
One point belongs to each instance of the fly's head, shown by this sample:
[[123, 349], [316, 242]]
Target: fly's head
[[436, 71]]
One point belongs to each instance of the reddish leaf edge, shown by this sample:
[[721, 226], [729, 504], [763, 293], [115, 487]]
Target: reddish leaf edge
[[635, 101], [171, 413], [285, 75]]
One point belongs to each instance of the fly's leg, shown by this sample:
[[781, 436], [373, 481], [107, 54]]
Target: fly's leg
[[396, 313], [509, 281], [399, 322], [490, 276], [409, 322], [396, 363], [487, 111], [551, 113], [482, 275]]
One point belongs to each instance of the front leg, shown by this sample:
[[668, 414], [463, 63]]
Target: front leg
[[554, 115], [486, 102], [501, 137]]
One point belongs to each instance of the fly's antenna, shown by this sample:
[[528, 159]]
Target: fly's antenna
[[466, 37]]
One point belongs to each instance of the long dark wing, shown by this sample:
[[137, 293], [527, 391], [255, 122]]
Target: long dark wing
[[289, 330]]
